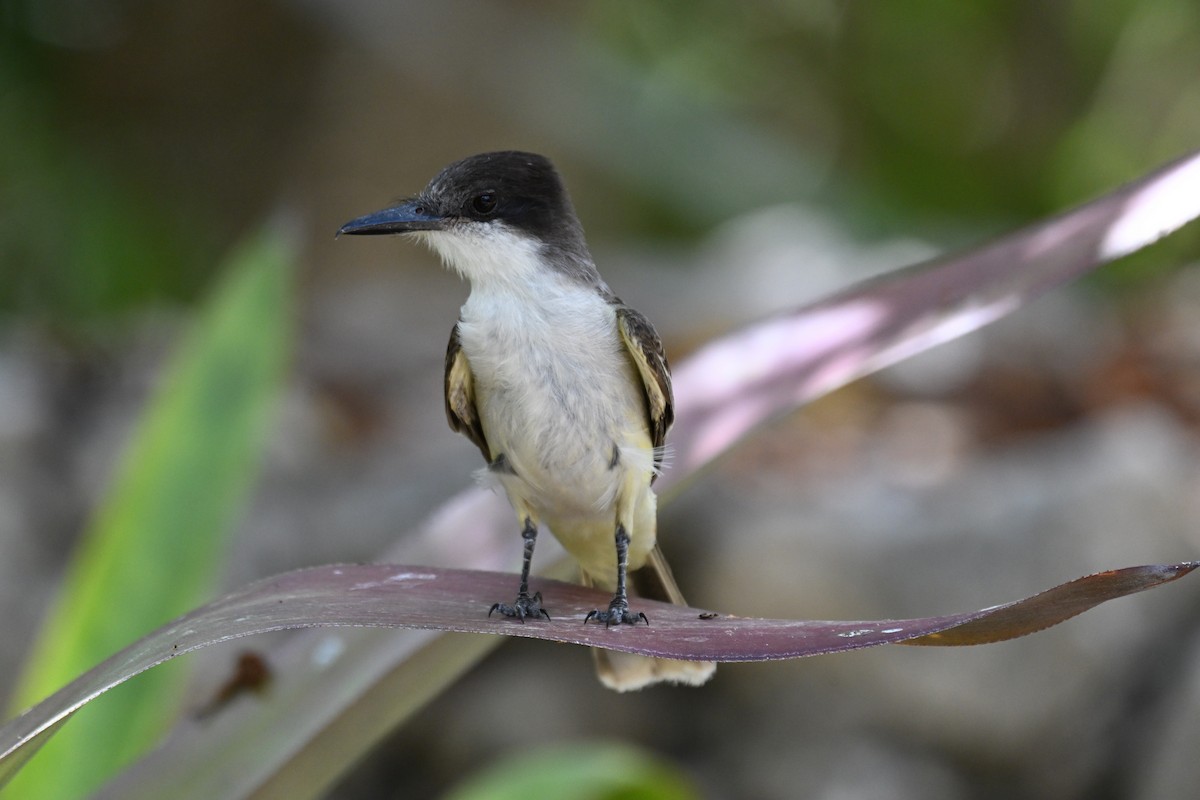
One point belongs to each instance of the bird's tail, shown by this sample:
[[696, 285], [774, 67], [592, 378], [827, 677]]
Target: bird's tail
[[625, 672]]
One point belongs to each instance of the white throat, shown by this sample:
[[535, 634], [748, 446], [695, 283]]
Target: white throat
[[490, 256]]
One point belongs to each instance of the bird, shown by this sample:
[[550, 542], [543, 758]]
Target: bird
[[565, 389]]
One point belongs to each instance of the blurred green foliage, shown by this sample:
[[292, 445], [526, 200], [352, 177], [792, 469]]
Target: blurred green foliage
[[156, 545], [78, 239], [939, 117], [595, 771], [934, 118]]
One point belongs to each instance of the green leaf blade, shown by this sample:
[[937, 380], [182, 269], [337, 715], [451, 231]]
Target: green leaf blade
[[154, 547], [597, 771]]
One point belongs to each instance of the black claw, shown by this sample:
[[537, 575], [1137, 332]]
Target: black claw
[[524, 606], [617, 614]]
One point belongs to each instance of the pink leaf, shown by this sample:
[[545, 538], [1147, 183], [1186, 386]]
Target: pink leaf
[[456, 600]]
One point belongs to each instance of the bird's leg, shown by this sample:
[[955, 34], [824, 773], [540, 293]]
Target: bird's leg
[[618, 610], [525, 605]]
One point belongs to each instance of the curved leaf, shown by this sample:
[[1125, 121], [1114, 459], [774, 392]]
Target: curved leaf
[[731, 386], [381, 595]]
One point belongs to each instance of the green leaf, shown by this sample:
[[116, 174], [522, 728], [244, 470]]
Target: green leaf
[[592, 771], [120, 238], [154, 547]]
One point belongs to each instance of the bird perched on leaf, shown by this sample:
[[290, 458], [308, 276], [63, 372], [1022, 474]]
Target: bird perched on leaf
[[564, 389]]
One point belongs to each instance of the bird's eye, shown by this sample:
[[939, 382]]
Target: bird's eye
[[484, 203]]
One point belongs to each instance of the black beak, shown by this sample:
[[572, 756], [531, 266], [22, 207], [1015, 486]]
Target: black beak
[[408, 217]]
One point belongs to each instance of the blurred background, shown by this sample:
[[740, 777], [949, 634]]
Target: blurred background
[[727, 160]]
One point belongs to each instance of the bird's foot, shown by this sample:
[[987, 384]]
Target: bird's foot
[[524, 606], [618, 613]]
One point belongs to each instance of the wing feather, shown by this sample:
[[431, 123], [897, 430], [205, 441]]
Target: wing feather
[[460, 396], [646, 350]]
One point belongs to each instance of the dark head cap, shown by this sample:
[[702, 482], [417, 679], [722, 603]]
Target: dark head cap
[[520, 190]]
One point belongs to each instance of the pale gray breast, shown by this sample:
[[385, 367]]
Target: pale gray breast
[[554, 386]]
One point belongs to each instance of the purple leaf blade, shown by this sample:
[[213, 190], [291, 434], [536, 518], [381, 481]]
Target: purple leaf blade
[[733, 385], [1049, 608], [455, 600]]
